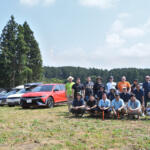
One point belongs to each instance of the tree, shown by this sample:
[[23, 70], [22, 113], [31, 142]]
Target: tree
[[8, 56], [22, 71], [34, 60]]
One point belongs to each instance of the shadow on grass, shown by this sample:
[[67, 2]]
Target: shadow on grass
[[38, 107]]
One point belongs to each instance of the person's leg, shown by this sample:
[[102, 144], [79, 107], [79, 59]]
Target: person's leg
[[69, 103], [81, 111]]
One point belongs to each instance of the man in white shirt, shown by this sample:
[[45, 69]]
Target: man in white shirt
[[111, 84]]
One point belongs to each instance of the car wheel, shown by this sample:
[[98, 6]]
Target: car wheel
[[50, 102], [11, 105]]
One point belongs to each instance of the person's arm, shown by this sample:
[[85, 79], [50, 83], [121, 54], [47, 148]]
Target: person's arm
[[72, 93], [138, 106], [83, 105], [114, 111], [129, 87], [129, 106], [66, 89]]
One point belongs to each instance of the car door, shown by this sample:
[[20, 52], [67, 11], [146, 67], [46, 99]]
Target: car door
[[63, 94], [57, 93]]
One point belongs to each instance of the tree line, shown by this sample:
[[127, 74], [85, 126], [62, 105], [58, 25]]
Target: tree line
[[62, 73], [20, 57]]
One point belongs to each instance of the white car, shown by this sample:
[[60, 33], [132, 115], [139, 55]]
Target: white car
[[14, 99]]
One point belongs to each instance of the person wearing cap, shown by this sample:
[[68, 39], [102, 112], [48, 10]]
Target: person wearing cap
[[111, 94], [78, 106], [68, 87], [100, 92], [134, 106], [104, 105], [118, 105], [133, 86], [111, 84], [125, 95], [146, 88], [88, 88], [123, 83], [91, 105], [78, 87], [97, 85], [139, 94]]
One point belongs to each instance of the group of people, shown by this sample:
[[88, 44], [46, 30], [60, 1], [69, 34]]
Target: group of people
[[113, 99]]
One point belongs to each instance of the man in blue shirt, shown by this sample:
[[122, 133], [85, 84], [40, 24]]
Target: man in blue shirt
[[104, 104], [134, 106], [118, 105], [78, 106]]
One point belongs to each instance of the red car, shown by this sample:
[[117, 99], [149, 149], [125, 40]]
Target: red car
[[44, 95]]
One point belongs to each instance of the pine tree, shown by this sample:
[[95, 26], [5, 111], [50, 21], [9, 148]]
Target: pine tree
[[21, 58], [8, 56], [33, 56]]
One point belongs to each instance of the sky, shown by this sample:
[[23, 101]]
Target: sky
[[87, 33]]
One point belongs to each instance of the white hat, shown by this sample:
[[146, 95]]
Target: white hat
[[70, 77]]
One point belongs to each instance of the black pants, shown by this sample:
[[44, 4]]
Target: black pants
[[78, 111]]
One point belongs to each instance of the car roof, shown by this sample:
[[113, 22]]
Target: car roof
[[53, 84]]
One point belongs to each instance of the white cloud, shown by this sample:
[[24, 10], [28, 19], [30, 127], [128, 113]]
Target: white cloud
[[114, 40], [136, 55], [99, 3], [133, 32], [36, 2], [123, 15]]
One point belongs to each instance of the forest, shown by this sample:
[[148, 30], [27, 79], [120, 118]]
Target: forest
[[61, 73]]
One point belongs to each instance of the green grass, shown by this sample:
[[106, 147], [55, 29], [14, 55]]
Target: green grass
[[55, 129]]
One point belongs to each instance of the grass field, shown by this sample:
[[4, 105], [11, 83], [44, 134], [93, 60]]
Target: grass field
[[54, 129]]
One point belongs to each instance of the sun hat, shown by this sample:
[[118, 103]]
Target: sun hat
[[70, 77]]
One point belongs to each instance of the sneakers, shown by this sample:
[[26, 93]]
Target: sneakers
[[143, 115]]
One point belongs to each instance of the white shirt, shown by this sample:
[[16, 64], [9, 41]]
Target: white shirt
[[110, 85]]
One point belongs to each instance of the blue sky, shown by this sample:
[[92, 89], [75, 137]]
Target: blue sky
[[87, 33]]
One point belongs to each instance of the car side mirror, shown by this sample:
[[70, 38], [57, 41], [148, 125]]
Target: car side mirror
[[55, 90]]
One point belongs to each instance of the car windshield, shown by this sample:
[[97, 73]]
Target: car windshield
[[43, 88], [21, 91], [10, 93]]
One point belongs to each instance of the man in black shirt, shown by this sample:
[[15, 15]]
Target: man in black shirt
[[88, 88], [78, 88], [146, 87], [125, 95], [111, 94], [78, 107], [91, 105], [97, 85]]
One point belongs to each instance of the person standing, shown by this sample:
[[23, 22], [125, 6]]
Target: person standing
[[125, 95], [68, 87], [146, 87], [111, 94], [111, 84], [88, 88], [123, 83], [133, 86], [78, 87], [139, 94], [97, 85]]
